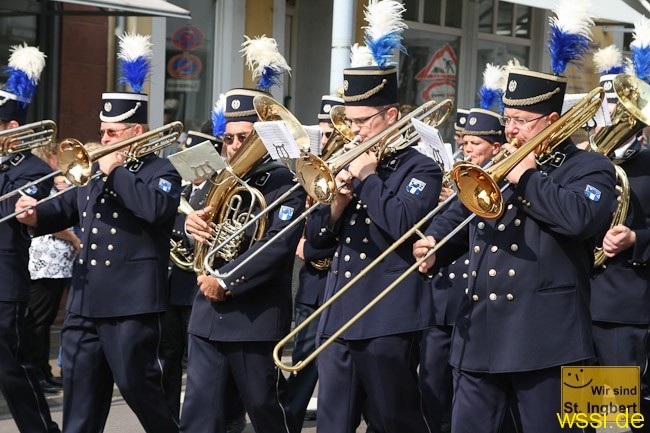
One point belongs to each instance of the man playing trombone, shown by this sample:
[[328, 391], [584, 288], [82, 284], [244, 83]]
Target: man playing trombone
[[112, 329]]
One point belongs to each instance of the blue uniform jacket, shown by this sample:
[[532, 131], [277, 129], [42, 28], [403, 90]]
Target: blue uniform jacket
[[126, 221], [182, 284], [259, 308], [449, 286], [527, 307], [17, 171], [620, 292], [386, 206], [312, 280]]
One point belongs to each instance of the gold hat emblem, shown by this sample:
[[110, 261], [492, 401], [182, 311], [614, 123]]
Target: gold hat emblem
[[512, 86], [108, 106], [235, 104], [472, 121]]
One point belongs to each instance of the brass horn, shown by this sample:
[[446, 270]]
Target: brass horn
[[27, 137], [180, 255], [341, 135], [478, 188], [76, 160]]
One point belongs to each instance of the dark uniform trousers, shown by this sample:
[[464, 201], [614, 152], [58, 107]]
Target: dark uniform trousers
[[620, 290], [112, 331], [528, 285], [17, 380], [236, 336], [376, 358]]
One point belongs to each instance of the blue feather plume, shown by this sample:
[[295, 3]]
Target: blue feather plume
[[135, 73], [25, 66], [269, 78], [488, 97], [570, 33], [383, 34], [566, 48], [219, 116], [135, 54], [19, 84], [382, 49], [641, 61]]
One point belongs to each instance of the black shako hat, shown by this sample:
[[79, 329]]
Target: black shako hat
[[485, 124], [370, 86], [534, 91], [239, 105], [326, 104], [461, 119]]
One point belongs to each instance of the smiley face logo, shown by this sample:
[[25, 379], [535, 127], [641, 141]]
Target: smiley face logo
[[575, 378]]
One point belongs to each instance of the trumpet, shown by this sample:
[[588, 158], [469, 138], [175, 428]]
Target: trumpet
[[484, 184], [76, 160]]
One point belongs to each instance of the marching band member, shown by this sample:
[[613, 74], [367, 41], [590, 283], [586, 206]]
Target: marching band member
[[528, 268], [236, 321], [459, 126], [19, 385], [620, 288], [313, 274], [376, 359], [112, 329]]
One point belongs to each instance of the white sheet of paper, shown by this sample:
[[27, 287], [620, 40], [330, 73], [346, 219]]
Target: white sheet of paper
[[278, 139], [430, 137], [601, 118], [197, 162], [314, 132]]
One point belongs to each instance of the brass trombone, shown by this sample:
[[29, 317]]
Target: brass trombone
[[482, 185], [76, 160], [27, 137]]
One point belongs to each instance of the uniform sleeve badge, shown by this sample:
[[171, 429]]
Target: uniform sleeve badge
[[592, 193], [164, 185], [31, 190], [416, 186], [286, 213]]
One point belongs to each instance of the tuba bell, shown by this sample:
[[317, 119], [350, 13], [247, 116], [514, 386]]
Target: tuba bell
[[631, 115]]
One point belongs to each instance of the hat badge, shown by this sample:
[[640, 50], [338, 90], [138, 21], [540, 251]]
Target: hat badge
[[108, 106], [512, 86], [607, 85], [462, 120], [346, 84], [327, 108], [235, 104], [472, 121]]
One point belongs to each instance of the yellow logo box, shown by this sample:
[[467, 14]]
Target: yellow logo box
[[610, 391]]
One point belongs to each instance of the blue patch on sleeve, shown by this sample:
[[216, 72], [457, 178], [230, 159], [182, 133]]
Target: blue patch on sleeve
[[416, 186], [592, 193], [164, 185], [31, 190], [286, 213]]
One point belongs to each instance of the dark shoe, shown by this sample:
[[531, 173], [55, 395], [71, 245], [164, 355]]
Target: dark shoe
[[56, 382], [237, 424], [310, 415], [47, 388]]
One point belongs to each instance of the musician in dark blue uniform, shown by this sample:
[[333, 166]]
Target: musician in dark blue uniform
[[483, 135], [620, 288], [526, 312], [313, 276], [376, 359], [236, 321], [18, 382], [182, 283], [112, 330]]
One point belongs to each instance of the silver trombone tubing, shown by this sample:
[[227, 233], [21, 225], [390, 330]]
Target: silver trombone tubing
[[29, 184]]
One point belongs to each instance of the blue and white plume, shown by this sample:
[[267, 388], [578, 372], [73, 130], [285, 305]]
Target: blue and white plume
[[640, 48], [264, 60], [609, 60], [361, 56], [383, 34], [25, 66], [135, 54], [570, 33], [492, 89], [218, 116]]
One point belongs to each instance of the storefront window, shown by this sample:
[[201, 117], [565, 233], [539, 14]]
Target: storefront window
[[522, 26], [432, 11], [189, 70], [485, 16], [504, 22], [430, 71]]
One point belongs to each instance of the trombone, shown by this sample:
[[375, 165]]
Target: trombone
[[479, 193], [317, 176], [76, 160]]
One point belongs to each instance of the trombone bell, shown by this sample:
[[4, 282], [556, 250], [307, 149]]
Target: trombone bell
[[477, 190]]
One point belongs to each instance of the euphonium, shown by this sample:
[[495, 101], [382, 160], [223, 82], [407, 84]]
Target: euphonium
[[230, 212], [27, 137], [180, 255], [631, 115], [341, 135]]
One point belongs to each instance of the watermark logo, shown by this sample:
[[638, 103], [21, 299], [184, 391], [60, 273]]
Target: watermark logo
[[600, 397]]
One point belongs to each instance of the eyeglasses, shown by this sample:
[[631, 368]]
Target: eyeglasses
[[518, 122], [112, 132], [230, 138], [363, 121]]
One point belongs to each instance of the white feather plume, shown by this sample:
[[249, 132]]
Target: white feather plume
[[28, 59], [493, 76], [629, 67], [383, 17], [360, 55], [641, 33], [262, 52], [505, 70], [574, 16], [134, 46], [607, 58]]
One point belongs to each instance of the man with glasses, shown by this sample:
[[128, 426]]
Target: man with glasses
[[112, 330], [526, 310], [236, 321], [382, 196]]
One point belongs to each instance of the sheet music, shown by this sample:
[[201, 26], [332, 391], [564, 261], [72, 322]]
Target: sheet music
[[315, 135], [601, 118], [278, 140], [430, 137], [197, 162]]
